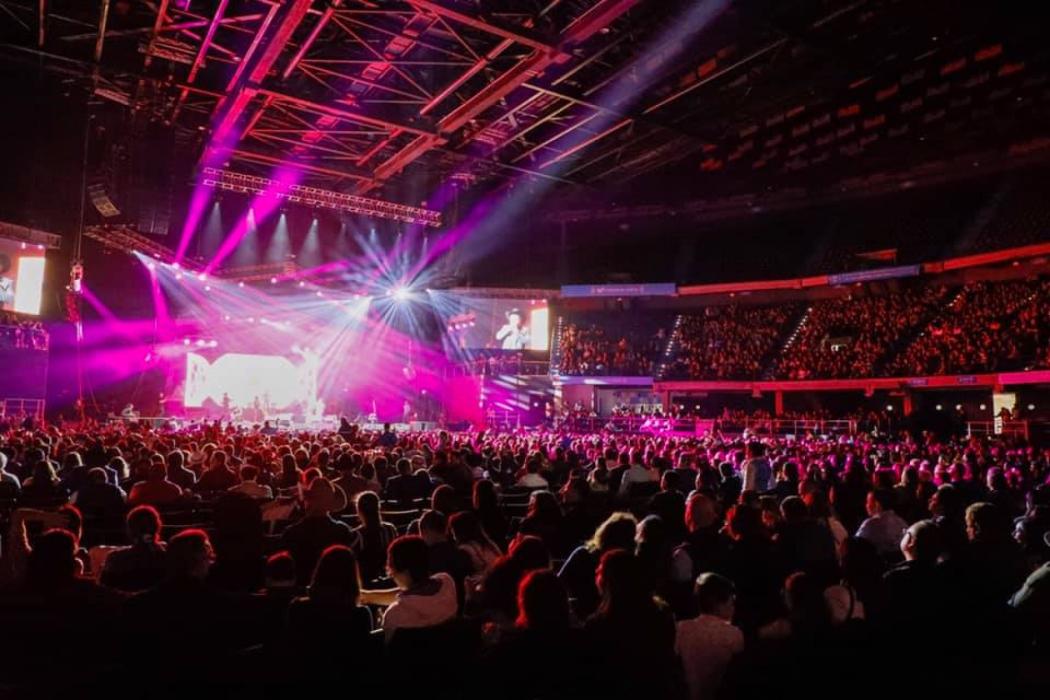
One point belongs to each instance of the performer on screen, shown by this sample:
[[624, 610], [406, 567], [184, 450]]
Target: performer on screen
[[7, 284], [514, 335]]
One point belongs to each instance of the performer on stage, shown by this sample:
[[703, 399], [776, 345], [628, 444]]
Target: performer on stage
[[513, 335]]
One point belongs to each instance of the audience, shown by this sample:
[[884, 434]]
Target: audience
[[758, 581]]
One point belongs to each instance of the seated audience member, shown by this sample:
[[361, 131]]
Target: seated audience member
[[992, 567], [43, 488], [485, 502], [630, 632], [706, 644], [218, 476], [654, 550], [577, 574], [636, 474], [807, 611], [545, 520], [187, 622], [406, 486], [465, 531], [542, 637], [10, 485], [883, 528], [1032, 602], [156, 490], [705, 548], [373, 536], [99, 499], [317, 529], [532, 478], [913, 589], [250, 485], [420, 599], [803, 544], [142, 564], [443, 556], [329, 624], [54, 602], [178, 474], [752, 565], [497, 598]]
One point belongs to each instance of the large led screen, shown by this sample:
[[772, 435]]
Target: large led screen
[[500, 324], [21, 277]]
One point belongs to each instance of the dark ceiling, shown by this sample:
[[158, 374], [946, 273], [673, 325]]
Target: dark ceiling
[[398, 98]]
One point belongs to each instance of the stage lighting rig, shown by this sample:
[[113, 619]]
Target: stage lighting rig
[[317, 198]]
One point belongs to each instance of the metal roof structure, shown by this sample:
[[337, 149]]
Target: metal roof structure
[[396, 98]]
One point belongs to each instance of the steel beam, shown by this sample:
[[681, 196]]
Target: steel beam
[[103, 19], [583, 28], [343, 114], [243, 95], [513, 34], [311, 38]]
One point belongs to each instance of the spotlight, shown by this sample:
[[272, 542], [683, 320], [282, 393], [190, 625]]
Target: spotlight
[[401, 293], [302, 283], [207, 287], [175, 265], [202, 277], [273, 280], [226, 317], [185, 341], [178, 276], [213, 344], [240, 284], [151, 266], [201, 343], [320, 293]]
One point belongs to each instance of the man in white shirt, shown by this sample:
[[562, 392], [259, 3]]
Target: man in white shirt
[[884, 528], [250, 487], [637, 473], [708, 643], [420, 600], [532, 479]]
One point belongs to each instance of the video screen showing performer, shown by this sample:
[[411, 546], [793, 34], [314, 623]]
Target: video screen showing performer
[[499, 324], [21, 277], [514, 335]]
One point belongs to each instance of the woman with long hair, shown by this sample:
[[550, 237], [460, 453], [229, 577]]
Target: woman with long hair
[[373, 536], [497, 595], [486, 507], [464, 529], [617, 532], [545, 520], [329, 622], [632, 634]]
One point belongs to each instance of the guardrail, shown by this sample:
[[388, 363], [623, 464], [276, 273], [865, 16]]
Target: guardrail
[[1008, 428], [703, 426]]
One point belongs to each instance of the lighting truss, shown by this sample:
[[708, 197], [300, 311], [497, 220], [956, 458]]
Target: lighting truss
[[127, 240], [315, 197], [257, 273]]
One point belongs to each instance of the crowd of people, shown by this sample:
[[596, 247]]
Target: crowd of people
[[528, 565], [731, 342], [22, 334], [592, 349], [847, 337], [921, 329], [977, 332]]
